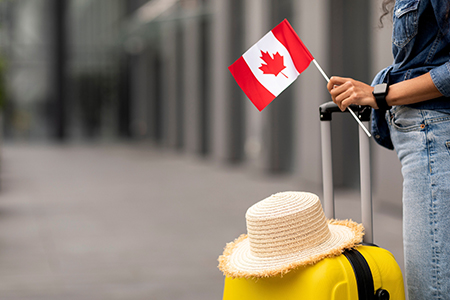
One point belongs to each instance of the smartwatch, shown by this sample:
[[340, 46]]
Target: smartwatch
[[379, 92]]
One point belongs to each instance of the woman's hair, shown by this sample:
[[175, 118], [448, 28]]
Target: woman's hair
[[388, 7]]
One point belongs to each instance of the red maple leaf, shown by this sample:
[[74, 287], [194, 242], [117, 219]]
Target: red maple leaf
[[272, 65]]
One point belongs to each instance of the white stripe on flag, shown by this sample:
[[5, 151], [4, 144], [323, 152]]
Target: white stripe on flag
[[274, 84]]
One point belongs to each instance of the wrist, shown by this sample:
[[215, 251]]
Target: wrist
[[380, 92]]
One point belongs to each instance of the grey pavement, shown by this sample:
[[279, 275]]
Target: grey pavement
[[132, 221]]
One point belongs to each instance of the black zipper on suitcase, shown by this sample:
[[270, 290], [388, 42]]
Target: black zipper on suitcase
[[363, 274]]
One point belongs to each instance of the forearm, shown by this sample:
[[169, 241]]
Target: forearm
[[346, 91], [412, 91]]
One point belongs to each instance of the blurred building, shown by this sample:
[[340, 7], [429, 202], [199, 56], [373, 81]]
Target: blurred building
[[156, 71]]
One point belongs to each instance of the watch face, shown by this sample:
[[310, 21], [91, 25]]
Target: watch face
[[380, 88]]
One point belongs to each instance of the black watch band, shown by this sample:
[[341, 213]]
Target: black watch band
[[380, 91]]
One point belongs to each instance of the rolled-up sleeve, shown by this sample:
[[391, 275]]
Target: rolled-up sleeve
[[441, 75], [441, 78]]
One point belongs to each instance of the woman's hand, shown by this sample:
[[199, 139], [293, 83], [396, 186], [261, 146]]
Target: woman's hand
[[346, 91]]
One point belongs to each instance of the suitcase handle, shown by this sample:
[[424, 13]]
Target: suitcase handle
[[326, 110]]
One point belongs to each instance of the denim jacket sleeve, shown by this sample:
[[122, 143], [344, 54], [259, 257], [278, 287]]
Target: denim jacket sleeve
[[379, 126], [441, 78], [441, 75]]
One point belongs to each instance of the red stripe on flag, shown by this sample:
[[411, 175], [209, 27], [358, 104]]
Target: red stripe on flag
[[298, 51], [254, 90]]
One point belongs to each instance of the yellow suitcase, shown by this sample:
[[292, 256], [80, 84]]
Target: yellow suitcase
[[364, 273], [343, 277]]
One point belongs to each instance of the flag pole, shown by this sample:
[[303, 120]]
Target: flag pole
[[349, 109]]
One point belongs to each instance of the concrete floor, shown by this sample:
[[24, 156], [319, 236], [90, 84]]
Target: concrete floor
[[131, 221]]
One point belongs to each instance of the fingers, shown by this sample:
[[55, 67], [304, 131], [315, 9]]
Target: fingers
[[347, 91], [335, 81], [344, 96], [341, 90]]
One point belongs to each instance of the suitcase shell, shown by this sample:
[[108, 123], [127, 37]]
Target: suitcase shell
[[330, 279]]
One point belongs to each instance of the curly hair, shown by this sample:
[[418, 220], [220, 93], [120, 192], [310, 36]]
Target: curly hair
[[387, 7]]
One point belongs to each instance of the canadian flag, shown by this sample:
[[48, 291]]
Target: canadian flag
[[271, 65]]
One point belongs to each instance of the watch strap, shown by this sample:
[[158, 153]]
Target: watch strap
[[380, 98]]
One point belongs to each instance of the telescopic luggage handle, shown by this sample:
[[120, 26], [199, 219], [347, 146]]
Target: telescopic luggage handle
[[326, 110]]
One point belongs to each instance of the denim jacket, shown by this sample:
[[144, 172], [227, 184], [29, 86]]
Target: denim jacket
[[420, 44]]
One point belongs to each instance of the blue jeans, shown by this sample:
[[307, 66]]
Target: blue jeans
[[422, 141]]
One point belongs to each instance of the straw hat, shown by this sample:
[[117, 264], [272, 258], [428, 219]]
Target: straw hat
[[285, 231]]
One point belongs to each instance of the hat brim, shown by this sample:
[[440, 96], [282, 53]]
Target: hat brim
[[237, 260]]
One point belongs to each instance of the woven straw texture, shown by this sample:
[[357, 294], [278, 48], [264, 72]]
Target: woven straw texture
[[285, 231]]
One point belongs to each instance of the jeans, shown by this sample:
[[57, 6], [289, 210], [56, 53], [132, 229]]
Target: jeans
[[422, 141]]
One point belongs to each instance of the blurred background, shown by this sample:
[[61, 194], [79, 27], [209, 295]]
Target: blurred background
[[130, 155]]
